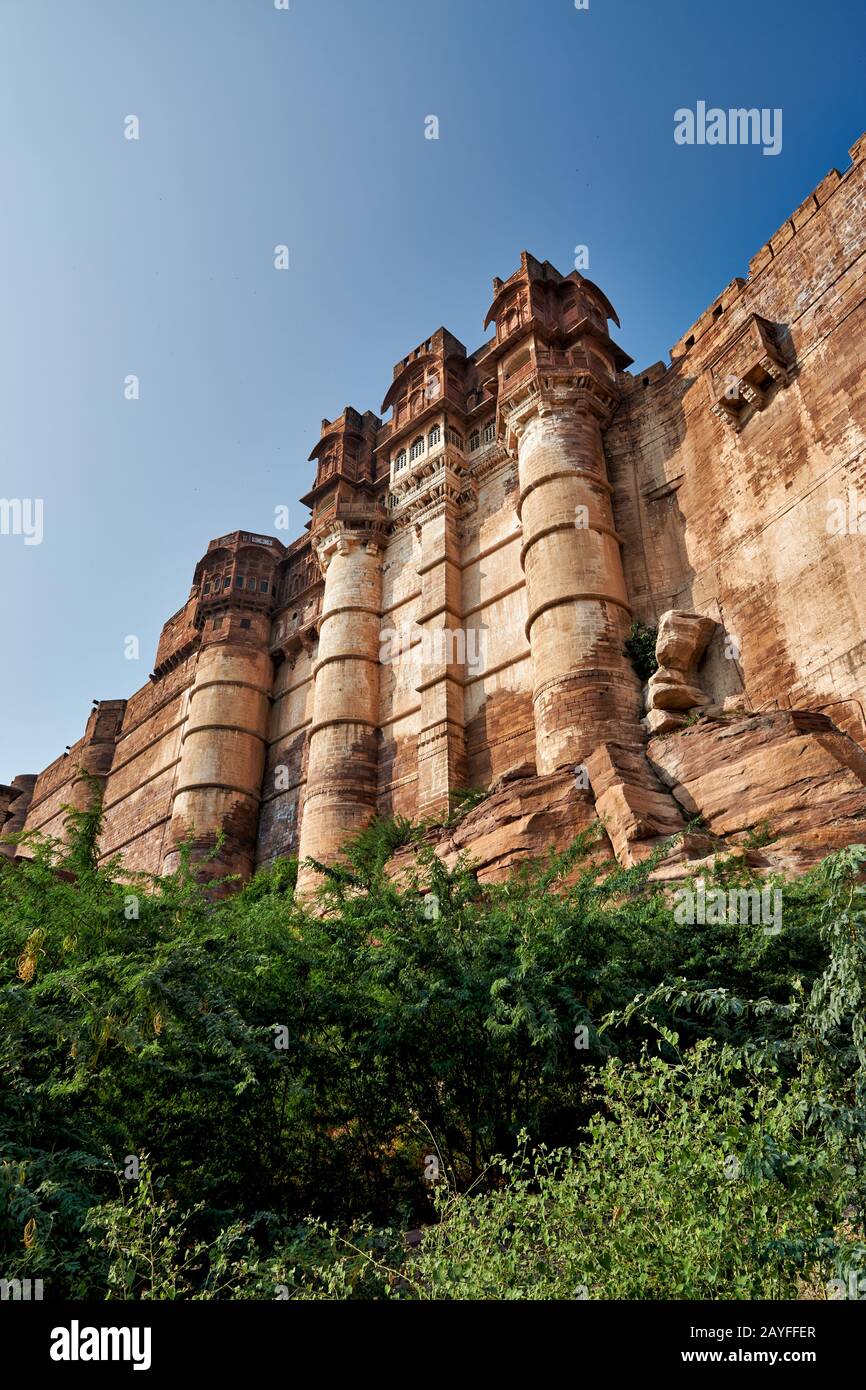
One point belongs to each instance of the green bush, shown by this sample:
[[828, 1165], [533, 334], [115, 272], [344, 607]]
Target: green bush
[[640, 648], [274, 1069]]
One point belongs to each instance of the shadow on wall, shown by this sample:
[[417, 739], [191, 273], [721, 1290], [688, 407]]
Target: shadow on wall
[[500, 736], [654, 466]]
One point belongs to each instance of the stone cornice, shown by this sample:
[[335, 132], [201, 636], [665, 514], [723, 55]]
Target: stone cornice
[[551, 390], [342, 537]]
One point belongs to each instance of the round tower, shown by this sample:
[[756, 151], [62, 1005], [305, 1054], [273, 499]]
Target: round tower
[[557, 370], [217, 791], [17, 797], [342, 758]]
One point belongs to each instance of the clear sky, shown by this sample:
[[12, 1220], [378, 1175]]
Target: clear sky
[[306, 127]]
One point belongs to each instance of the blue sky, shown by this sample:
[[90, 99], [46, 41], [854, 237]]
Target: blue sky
[[305, 127]]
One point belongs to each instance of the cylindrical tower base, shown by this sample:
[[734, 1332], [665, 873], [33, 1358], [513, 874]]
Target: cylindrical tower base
[[584, 690], [340, 796], [218, 790]]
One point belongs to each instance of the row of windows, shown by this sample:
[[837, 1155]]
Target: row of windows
[[417, 447], [486, 436], [250, 584]]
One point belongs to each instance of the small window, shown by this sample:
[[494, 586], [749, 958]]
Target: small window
[[251, 586], [489, 432], [207, 587], [454, 438], [245, 622], [400, 461], [263, 586], [227, 582], [239, 581], [217, 622], [417, 447], [718, 311], [690, 341], [474, 441], [434, 436]]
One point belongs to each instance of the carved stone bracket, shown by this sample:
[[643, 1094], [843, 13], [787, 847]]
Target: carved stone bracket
[[741, 376], [554, 389], [341, 537]]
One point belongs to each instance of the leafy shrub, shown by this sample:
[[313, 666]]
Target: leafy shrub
[[281, 1068], [640, 648]]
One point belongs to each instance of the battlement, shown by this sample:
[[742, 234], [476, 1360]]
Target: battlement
[[772, 249]]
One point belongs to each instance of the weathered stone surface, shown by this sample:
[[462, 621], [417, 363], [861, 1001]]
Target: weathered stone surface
[[682, 639], [734, 523], [792, 771], [681, 642], [14, 805], [668, 690], [513, 774], [663, 721], [523, 821], [634, 807]]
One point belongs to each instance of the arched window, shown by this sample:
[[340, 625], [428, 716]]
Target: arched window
[[434, 436], [417, 447], [489, 432], [474, 441], [400, 461]]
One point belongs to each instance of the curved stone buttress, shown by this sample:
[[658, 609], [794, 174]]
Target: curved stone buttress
[[219, 778], [557, 387], [342, 758], [14, 805]]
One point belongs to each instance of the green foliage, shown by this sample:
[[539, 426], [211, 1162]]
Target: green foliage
[[760, 835], [695, 1182], [640, 648], [82, 827], [461, 803], [288, 1073]]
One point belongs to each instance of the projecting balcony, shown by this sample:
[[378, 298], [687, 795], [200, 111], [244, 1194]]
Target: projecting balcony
[[359, 512]]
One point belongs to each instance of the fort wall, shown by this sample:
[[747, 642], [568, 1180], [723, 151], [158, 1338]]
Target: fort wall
[[455, 609]]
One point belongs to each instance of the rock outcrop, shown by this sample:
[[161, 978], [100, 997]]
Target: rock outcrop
[[674, 688], [781, 790], [788, 779], [634, 806], [522, 819]]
